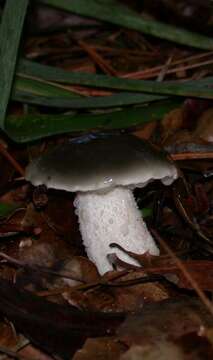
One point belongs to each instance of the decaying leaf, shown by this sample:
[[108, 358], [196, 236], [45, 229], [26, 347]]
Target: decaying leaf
[[57, 328], [204, 128], [118, 295], [100, 349], [171, 123], [158, 351], [171, 326]]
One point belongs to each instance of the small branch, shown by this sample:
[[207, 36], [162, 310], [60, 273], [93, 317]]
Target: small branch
[[107, 69], [185, 272], [12, 161], [154, 71], [164, 69], [192, 156]]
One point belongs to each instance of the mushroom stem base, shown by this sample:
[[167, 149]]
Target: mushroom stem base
[[112, 217]]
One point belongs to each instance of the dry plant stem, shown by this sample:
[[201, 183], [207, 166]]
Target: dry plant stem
[[102, 281], [151, 72], [164, 69], [85, 287], [195, 226], [57, 85], [112, 51], [107, 69], [189, 67], [175, 62], [84, 91], [191, 156], [185, 272], [12, 161], [140, 280], [171, 71]]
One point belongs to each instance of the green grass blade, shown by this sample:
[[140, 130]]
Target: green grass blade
[[51, 73], [7, 209], [38, 87], [10, 33], [92, 102], [33, 127], [118, 14], [36, 91]]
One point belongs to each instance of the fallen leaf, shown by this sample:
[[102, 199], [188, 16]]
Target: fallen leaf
[[166, 320], [57, 328], [146, 131], [158, 351], [100, 349], [118, 297], [204, 128], [171, 123], [31, 352]]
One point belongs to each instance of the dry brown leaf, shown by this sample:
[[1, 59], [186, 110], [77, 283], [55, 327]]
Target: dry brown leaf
[[167, 320], [158, 351], [146, 131], [171, 123], [165, 265], [31, 352], [204, 128], [100, 349], [119, 298], [10, 339]]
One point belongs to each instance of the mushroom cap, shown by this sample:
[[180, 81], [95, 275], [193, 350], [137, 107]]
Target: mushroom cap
[[101, 163]]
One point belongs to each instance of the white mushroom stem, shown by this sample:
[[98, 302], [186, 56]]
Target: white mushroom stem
[[112, 217]]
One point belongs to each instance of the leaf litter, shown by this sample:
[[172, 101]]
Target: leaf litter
[[50, 292]]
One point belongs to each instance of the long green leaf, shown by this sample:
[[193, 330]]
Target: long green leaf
[[37, 91], [118, 14], [38, 87], [104, 81], [10, 33], [7, 209], [92, 102], [36, 126]]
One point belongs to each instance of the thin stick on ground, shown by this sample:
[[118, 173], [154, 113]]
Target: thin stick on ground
[[98, 59], [185, 272], [153, 71], [192, 156], [12, 161]]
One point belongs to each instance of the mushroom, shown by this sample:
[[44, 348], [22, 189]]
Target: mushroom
[[104, 171]]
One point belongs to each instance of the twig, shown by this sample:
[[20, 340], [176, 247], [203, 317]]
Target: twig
[[13, 162], [192, 156], [71, 89], [152, 72], [101, 282], [164, 69], [105, 284], [140, 280], [194, 225], [97, 59], [185, 272]]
